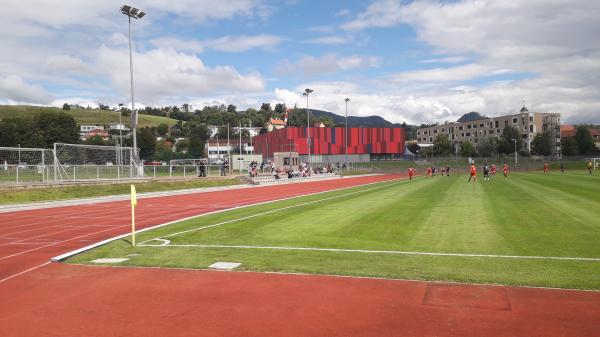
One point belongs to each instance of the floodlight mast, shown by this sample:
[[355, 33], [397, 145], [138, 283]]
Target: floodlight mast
[[308, 140], [346, 131], [135, 13]]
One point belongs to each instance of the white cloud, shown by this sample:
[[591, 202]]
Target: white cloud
[[243, 42], [328, 63], [70, 64], [331, 40], [14, 89], [549, 43], [448, 59], [165, 73], [192, 46], [451, 74], [343, 12]]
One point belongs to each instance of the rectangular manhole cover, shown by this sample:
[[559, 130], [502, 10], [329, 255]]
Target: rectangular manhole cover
[[224, 265], [467, 296]]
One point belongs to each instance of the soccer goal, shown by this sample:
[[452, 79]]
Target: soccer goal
[[25, 165], [596, 163], [76, 162]]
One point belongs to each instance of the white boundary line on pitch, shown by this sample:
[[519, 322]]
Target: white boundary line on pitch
[[377, 278], [101, 243], [396, 252], [161, 238]]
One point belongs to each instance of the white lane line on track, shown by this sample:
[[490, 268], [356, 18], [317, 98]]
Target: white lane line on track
[[24, 272], [55, 243], [396, 252], [272, 211]]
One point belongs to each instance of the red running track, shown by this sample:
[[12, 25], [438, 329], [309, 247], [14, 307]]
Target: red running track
[[68, 300], [29, 239]]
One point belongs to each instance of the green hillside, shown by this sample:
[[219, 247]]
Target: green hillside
[[83, 116]]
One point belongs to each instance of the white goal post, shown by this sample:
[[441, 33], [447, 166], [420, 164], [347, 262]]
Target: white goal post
[[78, 162]]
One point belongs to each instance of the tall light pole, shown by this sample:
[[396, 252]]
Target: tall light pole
[[515, 141], [346, 133], [308, 140], [135, 13]]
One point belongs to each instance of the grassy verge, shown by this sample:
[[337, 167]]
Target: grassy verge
[[18, 196], [528, 214]]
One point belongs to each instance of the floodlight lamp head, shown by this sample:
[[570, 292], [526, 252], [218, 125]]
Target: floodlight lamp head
[[125, 9], [308, 91], [134, 12], [141, 15], [347, 99]]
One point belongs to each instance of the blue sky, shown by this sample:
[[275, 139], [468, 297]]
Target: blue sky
[[419, 62]]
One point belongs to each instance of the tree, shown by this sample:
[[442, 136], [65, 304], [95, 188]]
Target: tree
[[17, 130], [231, 108], [198, 137], [442, 145], [162, 129], [506, 144], [66, 106], [146, 141], [585, 142], [467, 149], [541, 144], [95, 140], [488, 147], [414, 147], [280, 108], [266, 107], [56, 127], [568, 146]]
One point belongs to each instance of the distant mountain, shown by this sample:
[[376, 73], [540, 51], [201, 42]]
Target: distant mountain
[[353, 121], [471, 116]]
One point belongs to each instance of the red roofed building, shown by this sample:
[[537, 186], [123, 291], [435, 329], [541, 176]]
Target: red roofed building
[[275, 124]]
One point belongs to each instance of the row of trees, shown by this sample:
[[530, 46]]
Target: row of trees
[[40, 131], [580, 144]]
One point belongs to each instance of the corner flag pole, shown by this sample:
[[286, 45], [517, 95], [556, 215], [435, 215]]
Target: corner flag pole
[[133, 206]]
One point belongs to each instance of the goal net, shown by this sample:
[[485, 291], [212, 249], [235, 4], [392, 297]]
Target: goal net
[[20, 165], [78, 162]]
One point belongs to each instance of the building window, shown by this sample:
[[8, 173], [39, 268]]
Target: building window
[[491, 132], [515, 120], [481, 125], [496, 123], [468, 134], [418, 133], [476, 140], [531, 118], [506, 122], [530, 128], [434, 131], [460, 127], [468, 126], [431, 139]]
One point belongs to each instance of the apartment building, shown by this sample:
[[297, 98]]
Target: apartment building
[[474, 128]]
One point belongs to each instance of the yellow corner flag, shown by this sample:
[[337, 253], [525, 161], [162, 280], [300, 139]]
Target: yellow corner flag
[[133, 205]]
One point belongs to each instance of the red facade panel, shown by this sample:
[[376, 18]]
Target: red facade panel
[[332, 141]]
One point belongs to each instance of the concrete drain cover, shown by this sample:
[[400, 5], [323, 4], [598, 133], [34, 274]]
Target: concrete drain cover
[[110, 260], [224, 265]]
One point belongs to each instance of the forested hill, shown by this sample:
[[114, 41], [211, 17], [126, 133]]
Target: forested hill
[[354, 121]]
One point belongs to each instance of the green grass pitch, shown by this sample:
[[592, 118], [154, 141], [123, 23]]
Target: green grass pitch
[[527, 215]]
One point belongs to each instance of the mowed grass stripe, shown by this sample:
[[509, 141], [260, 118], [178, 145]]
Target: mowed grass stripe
[[550, 220], [332, 221]]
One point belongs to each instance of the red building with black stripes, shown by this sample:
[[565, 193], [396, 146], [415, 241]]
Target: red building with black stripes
[[328, 144]]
